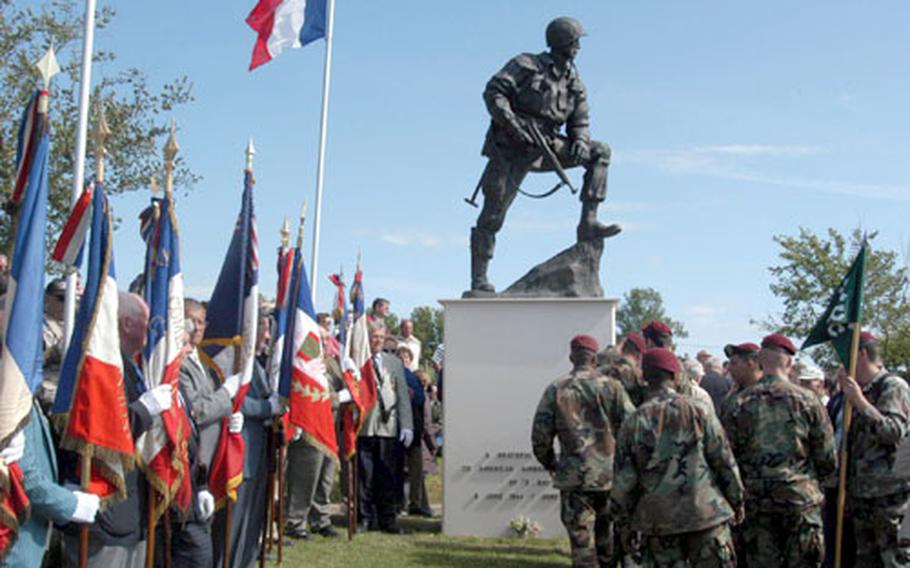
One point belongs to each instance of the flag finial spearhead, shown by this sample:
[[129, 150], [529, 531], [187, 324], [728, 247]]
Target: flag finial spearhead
[[48, 67], [301, 225], [101, 133], [358, 259], [170, 153], [285, 234], [250, 152]]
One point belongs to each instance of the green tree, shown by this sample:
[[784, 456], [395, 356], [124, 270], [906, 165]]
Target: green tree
[[812, 266], [428, 328], [136, 112], [642, 305]]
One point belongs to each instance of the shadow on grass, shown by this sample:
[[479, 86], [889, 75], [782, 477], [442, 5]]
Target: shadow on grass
[[407, 523], [470, 555]]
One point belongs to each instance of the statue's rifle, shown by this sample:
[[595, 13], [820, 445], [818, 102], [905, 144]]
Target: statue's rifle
[[544, 145], [541, 142]]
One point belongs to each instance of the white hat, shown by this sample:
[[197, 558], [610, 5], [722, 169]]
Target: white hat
[[809, 372]]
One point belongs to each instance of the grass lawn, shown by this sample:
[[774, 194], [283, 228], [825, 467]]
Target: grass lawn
[[425, 549], [424, 545]]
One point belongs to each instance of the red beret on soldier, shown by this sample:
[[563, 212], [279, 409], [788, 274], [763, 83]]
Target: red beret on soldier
[[660, 358], [584, 342], [778, 341]]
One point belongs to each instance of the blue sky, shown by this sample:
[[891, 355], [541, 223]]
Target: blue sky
[[729, 123]]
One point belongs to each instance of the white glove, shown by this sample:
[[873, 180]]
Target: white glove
[[344, 395], [275, 404], [406, 437], [349, 365], [158, 399], [231, 385], [235, 424], [86, 507], [14, 450], [206, 504], [298, 433]]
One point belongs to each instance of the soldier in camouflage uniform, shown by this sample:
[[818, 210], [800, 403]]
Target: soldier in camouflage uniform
[[584, 409], [784, 445], [542, 91], [877, 496], [676, 478], [624, 365], [659, 334]]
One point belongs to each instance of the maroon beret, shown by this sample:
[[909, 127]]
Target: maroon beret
[[741, 349], [660, 358], [866, 337], [636, 340], [779, 341], [584, 342], [656, 327]]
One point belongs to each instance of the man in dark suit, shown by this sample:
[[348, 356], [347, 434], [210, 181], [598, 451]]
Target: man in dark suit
[[118, 535], [387, 430], [715, 382]]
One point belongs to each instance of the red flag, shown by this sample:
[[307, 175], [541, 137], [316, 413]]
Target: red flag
[[363, 399]]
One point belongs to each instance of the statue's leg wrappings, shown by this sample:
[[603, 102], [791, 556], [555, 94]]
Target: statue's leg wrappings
[[593, 192], [500, 186]]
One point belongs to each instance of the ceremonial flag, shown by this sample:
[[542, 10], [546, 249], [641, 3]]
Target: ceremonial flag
[[71, 243], [844, 311], [229, 346], [22, 347], [309, 396], [285, 268], [90, 397], [340, 312], [163, 448], [363, 391], [280, 24]]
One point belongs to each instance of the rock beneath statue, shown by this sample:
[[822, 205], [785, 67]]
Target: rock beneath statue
[[573, 273]]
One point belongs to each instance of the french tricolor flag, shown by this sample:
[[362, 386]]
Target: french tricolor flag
[[90, 396], [284, 23]]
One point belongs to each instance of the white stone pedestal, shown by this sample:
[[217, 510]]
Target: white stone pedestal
[[500, 355]]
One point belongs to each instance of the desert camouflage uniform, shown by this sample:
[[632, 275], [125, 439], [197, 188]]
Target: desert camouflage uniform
[[677, 482], [784, 445], [584, 409], [877, 496]]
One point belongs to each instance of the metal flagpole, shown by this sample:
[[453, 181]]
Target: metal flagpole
[[320, 168], [85, 80]]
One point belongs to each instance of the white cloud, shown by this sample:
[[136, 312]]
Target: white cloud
[[784, 150], [725, 162], [420, 239], [705, 310]]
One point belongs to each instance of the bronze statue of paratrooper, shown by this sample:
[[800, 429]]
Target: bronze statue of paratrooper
[[529, 101]]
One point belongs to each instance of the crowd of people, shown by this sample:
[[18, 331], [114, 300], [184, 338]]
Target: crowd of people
[[398, 443], [673, 461]]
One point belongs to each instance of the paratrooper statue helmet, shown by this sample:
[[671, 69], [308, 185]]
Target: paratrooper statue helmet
[[563, 31]]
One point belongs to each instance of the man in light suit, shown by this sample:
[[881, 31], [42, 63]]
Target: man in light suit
[[387, 430], [207, 403]]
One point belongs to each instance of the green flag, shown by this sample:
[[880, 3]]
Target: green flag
[[844, 311]]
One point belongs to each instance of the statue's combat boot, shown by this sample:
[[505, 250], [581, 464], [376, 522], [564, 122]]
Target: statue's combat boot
[[481, 252], [590, 228]]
